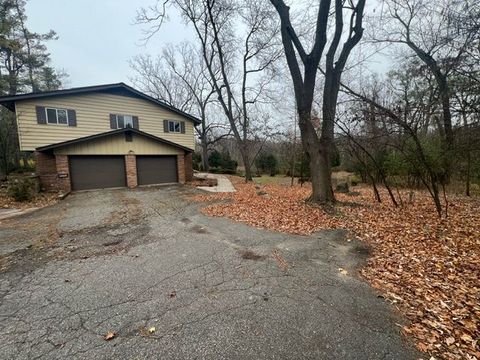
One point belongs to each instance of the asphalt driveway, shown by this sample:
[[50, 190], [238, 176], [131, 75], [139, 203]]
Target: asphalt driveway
[[128, 260]]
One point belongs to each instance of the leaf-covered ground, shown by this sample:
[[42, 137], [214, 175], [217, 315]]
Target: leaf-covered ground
[[427, 267], [40, 200]]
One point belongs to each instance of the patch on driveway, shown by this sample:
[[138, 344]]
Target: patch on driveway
[[109, 261]]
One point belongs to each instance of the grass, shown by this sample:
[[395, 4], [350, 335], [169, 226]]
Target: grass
[[277, 180]]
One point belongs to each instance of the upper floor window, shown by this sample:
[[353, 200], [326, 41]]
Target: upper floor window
[[57, 116], [174, 126], [119, 121]]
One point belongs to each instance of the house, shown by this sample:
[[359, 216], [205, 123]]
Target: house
[[103, 136]]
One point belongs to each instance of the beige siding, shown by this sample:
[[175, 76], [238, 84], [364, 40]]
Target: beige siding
[[93, 117], [116, 145]]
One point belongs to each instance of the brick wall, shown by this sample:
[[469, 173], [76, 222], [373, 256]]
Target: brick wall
[[189, 166], [53, 172], [63, 173], [46, 170], [131, 169], [181, 168], [45, 164]]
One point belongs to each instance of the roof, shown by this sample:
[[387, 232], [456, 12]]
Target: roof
[[117, 89], [109, 133]]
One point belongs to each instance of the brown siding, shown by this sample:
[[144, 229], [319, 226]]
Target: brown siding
[[92, 117]]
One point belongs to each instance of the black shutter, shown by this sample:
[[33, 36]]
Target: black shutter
[[135, 122], [182, 127], [165, 126], [113, 121], [72, 117], [41, 115]]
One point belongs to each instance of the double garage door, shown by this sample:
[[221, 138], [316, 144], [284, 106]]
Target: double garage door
[[100, 172]]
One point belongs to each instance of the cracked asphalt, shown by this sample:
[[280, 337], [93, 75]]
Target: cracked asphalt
[[129, 260]]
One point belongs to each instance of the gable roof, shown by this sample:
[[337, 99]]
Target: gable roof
[[109, 133], [116, 89]]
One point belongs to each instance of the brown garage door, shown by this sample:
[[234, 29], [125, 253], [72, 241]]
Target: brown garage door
[[97, 172], [156, 169]]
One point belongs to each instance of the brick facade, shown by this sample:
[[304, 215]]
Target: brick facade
[[181, 168], [54, 173], [188, 166], [131, 169], [63, 173], [46, 170]]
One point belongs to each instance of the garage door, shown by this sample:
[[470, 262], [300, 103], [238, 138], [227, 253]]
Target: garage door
[[156, 169], [97, 172]]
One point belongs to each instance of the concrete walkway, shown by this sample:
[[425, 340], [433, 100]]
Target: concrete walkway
[[8, 213], [223, 184]]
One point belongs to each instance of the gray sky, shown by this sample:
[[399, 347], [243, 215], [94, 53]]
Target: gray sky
[[98, 37]]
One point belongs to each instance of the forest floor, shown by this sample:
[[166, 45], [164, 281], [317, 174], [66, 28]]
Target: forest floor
[[427, 267]]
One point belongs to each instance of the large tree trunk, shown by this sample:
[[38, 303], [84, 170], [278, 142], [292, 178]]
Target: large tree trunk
[[204, 145], [246, 162], [320, 168]]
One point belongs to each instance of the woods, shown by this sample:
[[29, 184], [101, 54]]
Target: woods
[[24, 67], [400, 126]]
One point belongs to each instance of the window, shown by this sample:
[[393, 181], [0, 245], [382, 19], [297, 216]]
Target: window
[[124, 121], [57, 116], [174, 126]]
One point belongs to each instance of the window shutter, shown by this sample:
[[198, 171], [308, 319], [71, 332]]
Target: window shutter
[[182, 127], [113, 121], [165, 126], [41, 115], [135, 122], [72, 117]]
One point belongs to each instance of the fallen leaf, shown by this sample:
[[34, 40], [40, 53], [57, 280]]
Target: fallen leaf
[[450, 340], [428, 267], [465, 337], [110, 335]]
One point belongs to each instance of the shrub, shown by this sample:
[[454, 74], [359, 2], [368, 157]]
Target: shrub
[[219, 170], [197, 161], [22, 189], [267, 163], [222, 163]]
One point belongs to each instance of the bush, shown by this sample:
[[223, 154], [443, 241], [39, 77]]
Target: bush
[[222, 163], [22, 189], [197, 161], [267, 163], [217, 170]]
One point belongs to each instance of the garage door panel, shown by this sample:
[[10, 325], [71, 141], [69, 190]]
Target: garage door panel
[[156, 169], [97, 172]]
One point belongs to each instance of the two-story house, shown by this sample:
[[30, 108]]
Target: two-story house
[[103, 136]]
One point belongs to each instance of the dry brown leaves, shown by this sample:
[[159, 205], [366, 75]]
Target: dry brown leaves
[[429, 268], [39, 201]]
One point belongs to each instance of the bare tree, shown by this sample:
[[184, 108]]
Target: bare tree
[[238, 88], [430, 28], [180, 78], [319, 148]]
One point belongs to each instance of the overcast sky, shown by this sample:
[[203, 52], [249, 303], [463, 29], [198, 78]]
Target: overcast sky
[[98, 37]]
